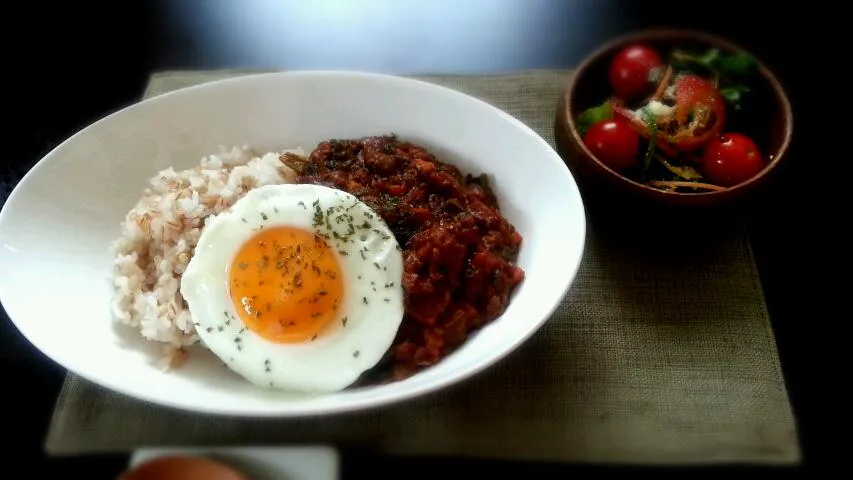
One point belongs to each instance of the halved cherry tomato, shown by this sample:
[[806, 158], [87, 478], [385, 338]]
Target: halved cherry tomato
[[699, 105], [613, 142], [697, 116], [630, 70], [730, 159]]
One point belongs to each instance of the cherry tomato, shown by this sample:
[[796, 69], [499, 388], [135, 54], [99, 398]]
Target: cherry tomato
[[730, 159], [698, 115], [614, 143], [700, 108], [630, 70]]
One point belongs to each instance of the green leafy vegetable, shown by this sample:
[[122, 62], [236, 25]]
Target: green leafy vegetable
[[733, 94], [651, 122], [710, 56], [736, 65], [730, 66], [701, 64], [729, 71], [593, 115]]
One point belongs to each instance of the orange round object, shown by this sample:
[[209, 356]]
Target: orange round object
[[181, 468], [286, 284]]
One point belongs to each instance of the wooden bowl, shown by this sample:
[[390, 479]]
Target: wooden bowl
[[589, 86]]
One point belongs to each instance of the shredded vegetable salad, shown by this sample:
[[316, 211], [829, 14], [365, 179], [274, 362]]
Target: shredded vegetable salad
[[665, 121]]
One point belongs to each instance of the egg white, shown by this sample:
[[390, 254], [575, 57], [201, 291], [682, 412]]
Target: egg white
[[372, 301]]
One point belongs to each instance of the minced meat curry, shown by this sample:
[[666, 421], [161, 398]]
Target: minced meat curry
[[459, 252]]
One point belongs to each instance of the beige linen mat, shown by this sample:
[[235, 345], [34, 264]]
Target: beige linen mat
[[662, 352]]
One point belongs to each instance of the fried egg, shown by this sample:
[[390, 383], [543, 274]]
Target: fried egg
[[296, 287]]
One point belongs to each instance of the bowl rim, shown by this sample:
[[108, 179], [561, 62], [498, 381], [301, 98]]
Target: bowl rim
[[640, 36], [362, 405]]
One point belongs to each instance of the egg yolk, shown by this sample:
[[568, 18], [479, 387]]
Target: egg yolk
[[286, 284]]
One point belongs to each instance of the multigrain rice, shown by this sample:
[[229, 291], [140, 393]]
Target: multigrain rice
[[159, 235]]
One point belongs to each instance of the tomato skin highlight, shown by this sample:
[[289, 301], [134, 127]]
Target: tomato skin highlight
[[630, 70], [730, 159], [614, 142]]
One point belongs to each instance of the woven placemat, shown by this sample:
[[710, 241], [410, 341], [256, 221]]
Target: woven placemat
[[662, 352]]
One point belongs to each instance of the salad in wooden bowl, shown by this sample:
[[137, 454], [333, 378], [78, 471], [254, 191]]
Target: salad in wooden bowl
[[678, 116]]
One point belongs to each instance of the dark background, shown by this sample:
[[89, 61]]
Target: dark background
[[67, 64]]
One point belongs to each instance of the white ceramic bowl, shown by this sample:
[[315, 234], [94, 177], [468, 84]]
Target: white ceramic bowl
[[56, 227]]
